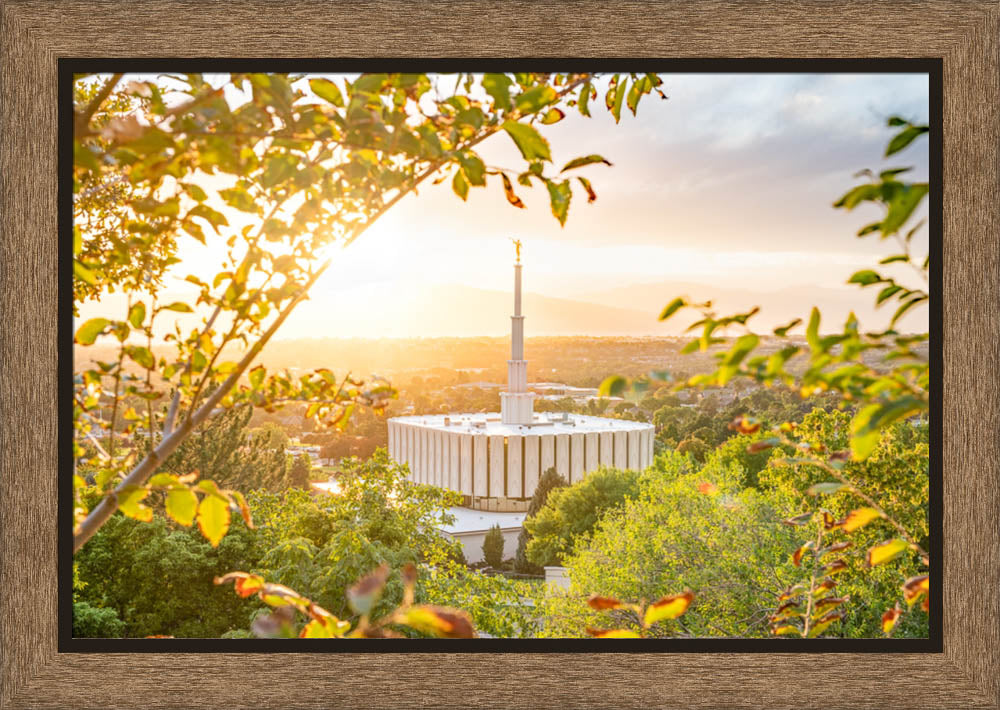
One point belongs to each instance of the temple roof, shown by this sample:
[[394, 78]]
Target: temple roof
[[543, 423]]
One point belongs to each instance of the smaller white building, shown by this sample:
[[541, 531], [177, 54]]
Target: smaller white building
[[470, 528]]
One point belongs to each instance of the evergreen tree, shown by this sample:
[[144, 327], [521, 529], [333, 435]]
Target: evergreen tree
[[549, 481], [493, 547], [298, 477]]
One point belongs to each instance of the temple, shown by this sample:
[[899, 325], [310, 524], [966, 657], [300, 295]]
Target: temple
[[495, 459]]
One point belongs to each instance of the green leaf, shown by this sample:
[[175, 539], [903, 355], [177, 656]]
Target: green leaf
[[181, 505], [585, 160], [195, 192], [868, 423], [560, 195], [896, 121], [460, 185], [894, 258], [887, 293], [256, 376], [616, 106], [474, 168], [535, 99], [529, 141], [855, 196], [906, 305], [901, 206], [584, 99], [277, 169], [612, 386], [213, 518], [904, 138], [591, 195], [826, 488], [869, 228], [892, 172], [87, 333], [498, 87], [783, 330], [142, 355], [83, 273], [865, 277], [740, 349], [812, 330], [178, 306], [137, 314], [328, 91], [239, 198]]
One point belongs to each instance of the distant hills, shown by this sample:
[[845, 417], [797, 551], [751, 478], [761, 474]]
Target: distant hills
[[454, 310], [460, 311]]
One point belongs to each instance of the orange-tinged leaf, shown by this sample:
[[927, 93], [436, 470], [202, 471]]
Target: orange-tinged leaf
[[915, 587], [859, 518], [835, 547], [244, 508], [824, 623], [668, 607], [612, 633], [836, 566], [787, 610], [508, 190], [797, 556], [823, 587], [707, 488], [830, 602], [889, 619], [213, 518], [438, 621], [886, 551], [600, 603]]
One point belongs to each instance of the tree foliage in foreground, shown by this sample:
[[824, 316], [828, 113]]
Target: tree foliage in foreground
[[308, 164], [896, 391]]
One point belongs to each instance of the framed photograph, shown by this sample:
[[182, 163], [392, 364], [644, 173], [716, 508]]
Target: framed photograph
[[540, 361]]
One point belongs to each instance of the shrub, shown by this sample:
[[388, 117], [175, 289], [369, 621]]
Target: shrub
[[493, 547]]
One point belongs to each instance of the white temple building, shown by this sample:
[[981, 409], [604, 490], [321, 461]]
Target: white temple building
[[495, 459]]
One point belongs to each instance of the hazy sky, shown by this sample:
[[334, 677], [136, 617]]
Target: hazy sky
[[729, 182]]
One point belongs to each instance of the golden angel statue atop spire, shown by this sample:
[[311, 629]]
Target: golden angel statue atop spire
[[517, 249]]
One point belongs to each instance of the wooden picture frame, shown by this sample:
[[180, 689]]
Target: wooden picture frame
[[36, 34]]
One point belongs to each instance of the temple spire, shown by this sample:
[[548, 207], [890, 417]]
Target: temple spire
[[517, 404]]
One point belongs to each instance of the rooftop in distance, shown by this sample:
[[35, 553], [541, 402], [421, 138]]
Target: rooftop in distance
[[542, 423]]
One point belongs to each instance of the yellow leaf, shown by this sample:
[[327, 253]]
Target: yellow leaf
[[886, 551], [213, 518], [859, 518], [130, 503], [669, 607], [181, 505], [612, 633], [324, 628], [786, 630]]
